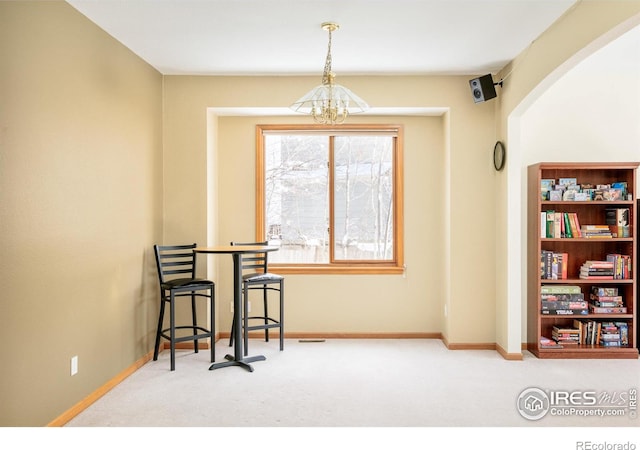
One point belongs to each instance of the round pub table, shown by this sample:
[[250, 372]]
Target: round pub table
[[236, 251]]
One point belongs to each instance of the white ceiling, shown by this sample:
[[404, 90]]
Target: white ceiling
[[284, 37]]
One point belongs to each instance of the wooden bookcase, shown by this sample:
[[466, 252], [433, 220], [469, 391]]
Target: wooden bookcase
[[579, 250]]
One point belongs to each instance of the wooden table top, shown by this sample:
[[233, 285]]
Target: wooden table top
[[237, 249]]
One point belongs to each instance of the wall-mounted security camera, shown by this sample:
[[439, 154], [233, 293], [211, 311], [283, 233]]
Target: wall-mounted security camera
[[483, 88]]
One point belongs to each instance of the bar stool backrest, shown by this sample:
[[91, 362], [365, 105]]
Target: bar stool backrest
[[175, 261], [255, 262]]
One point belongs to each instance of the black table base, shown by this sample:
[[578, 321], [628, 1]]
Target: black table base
[[231, 361]]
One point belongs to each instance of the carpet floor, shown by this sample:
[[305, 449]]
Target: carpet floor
[[364, 383]]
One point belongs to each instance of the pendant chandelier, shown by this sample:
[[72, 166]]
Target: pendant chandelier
[[330, 103]]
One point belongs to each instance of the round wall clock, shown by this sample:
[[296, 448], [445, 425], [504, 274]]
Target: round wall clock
[[499, 155]]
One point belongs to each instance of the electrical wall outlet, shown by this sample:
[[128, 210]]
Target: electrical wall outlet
[[74, 365]]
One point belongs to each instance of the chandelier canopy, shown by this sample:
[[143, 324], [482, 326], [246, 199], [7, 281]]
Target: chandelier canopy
[[329, 103]]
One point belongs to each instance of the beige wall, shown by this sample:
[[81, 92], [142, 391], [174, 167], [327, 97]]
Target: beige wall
[[448, 185], [354, 303], [80, 207], [587, 27]]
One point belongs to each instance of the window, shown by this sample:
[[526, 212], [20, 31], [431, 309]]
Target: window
[[331, 197]]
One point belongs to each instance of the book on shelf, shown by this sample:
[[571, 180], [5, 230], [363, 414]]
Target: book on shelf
[[622, 265], [623, 328], [598, 195], [559, 266], [554, 265], [622, 186], [566, 336], [569, 297], [575, 224], [595, 277], [597, 270], [566, 226], [604, 291], [557, 225], [569, 181], [596, 232], [607, 310], [549, 226], [560, 289], [546, 342], [607, 302], [555, 195], [564, 312], [598, 264], [561, 304], [562, 331], [595, 227], [612, 195], [569, 194], [546, 186], [546, 264]]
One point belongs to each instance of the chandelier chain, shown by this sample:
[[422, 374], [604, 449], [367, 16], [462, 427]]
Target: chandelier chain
[[326, 75]]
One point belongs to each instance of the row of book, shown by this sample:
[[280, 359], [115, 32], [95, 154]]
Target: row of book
[[559, 224], [622, 266], [615, 266], [568, 189], [570, 301], [588, 332], [606, 334]]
